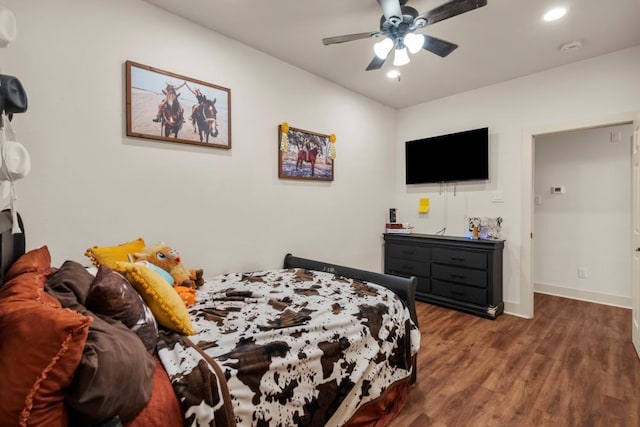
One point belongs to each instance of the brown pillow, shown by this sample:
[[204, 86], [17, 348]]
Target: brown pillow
[[40, 348], [114, 377], [71, 283], [112, 295]]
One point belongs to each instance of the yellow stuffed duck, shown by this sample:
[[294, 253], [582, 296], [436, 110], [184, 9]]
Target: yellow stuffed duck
[[183, 280]]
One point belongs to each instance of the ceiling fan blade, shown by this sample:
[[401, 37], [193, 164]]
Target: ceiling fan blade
[[451, 8], [376, 63], [439, 47], [391, 9], [348, 38]]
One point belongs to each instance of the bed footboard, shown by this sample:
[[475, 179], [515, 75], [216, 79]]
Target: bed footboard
[[405, 288]]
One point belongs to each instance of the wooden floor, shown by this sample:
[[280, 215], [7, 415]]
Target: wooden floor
[[572, 365]]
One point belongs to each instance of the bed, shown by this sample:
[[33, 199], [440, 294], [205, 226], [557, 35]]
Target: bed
[[308, 344]]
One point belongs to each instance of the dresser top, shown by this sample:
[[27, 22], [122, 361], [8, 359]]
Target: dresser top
[[491, 242]]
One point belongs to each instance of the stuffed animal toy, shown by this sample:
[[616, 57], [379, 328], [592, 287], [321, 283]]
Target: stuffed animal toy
[[168, 259]]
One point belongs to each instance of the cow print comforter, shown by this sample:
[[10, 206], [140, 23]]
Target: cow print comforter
[[286, 348]]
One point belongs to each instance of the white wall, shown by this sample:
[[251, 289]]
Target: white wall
[[593, 88], [224, 210], [587, 227]]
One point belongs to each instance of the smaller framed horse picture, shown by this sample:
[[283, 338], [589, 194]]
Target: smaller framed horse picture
[[169, 107], [304, 155]]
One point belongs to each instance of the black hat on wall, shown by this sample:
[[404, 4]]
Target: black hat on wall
[[13, 97]]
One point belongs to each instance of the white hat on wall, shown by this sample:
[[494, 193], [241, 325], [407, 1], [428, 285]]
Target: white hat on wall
[[8, 27], [15, 165]]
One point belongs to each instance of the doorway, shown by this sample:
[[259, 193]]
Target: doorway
[[527, 229], [582, 214]]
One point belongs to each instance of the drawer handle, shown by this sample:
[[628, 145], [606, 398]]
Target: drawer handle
[[457, 293], [457, 276], [408, 252], [454, 258], [408, 267]]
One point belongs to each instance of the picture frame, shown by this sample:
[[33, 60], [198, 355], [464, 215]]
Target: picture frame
[[306, 155], [165, 106]]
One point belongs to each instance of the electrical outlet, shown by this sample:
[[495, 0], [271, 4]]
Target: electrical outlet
[[582, 273]]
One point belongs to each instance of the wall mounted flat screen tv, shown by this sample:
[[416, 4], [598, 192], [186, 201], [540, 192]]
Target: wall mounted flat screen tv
[[461, 156]]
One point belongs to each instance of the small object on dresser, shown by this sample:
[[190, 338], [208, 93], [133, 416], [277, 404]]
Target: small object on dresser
[[483, 228], [398, 228]]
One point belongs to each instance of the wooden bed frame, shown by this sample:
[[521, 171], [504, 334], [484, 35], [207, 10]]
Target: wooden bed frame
[[405, 288]]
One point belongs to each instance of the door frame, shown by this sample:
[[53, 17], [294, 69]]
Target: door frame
[[527, 170], [635, 236]]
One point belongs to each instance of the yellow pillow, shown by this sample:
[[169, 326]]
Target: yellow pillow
[[109, 255], [165, 303]]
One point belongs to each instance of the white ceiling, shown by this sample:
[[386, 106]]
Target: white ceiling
[[501, 41]]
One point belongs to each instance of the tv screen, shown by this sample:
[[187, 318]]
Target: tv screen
[[462, 156]]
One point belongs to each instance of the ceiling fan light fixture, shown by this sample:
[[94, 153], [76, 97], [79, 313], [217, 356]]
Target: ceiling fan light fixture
[[401, 57], [383, 47], [414, 42], [397, 25]]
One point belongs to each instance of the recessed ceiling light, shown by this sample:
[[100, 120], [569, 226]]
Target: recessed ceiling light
[[394, 74], [555, 14]]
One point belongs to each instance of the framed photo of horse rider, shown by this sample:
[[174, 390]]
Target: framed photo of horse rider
[[165, 106], [304, 155]]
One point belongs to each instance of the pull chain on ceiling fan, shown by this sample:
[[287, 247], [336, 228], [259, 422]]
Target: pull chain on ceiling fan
[[398, 26]]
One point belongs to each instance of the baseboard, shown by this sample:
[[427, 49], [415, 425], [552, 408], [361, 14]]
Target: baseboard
[[514, 309], [559, 291]]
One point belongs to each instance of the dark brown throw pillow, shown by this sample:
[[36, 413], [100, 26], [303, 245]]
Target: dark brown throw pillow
[[115, 374], [71, 283], [111, 295]]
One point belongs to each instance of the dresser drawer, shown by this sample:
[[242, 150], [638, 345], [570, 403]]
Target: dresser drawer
[[407, 267], [460, 275], [461, 258], [424, 285], [459, 292], [416, 253]]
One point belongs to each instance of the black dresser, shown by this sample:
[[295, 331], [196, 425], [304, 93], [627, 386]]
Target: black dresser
[[452, 271]]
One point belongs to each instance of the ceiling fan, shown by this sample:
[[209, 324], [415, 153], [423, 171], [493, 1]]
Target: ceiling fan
[[398, 26]]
